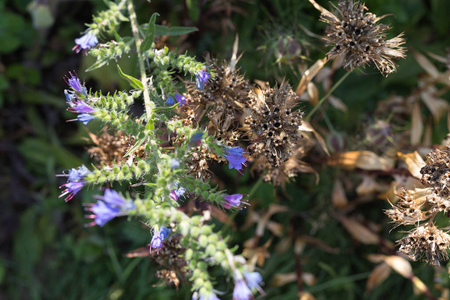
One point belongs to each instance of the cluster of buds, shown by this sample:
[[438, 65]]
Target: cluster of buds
[[419, 207]]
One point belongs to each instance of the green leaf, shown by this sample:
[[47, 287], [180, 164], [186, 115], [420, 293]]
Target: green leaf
[[194, 11], [98, 64], [150, 35], [173, 31], [133, 81]]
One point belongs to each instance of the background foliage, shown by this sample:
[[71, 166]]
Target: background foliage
[[47, 253]]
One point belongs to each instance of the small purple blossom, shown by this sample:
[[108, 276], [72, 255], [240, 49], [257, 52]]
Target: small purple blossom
[[233, 201], [76, 174], [253, 279], [109, 206], [158, 238], [241, 291], [84, 118], [177, 193], [87, 41], [180, 99], [75, 84], [174, 164], [83, 109], [235, 157], [196, 139], [201, 78], [71, 189]]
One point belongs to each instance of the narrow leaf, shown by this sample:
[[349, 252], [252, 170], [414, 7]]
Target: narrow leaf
[[133, 81], [150, 34]]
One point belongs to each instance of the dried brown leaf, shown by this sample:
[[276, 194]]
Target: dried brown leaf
[[417, 124], [426, 64], [306, 126], [377, 276], [359, 232], [309, 75], [365, 160], [413, 161], [337, 103], [437, 106], [400, 265], [368, 186], [338, 196], [313, 93]]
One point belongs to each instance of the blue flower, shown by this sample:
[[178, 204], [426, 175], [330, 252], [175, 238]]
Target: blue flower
[[158, 238], [87, 41], [174, 163], [235, 157], [241, 291], [84, 118], [177, 193], [253, 279], [75, 84], [170, 101], [180, 99], [84, 109], [196, 139], [233, 201], [109, 206], [201, 78], [72, 188], [74, 181]]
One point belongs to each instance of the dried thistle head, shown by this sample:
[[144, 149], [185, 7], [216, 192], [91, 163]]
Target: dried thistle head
[[223, 100], [357, 36], [273, 123], [407, 210], [110, 149], [426, 241], [436, 172]]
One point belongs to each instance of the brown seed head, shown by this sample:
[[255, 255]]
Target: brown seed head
[[357, 36]]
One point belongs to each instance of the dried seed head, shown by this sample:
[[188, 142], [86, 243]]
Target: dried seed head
[[199, 162], [223, 100], [357, 36], [436, 173], [426, 241], [407, 210], [273, 123]]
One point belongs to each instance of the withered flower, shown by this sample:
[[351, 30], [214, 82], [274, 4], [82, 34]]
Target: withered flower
[[426, 241], [357, 36], [273, 123], [223, 99]]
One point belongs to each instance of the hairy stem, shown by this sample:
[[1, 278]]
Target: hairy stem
[[311, 113], [149, 105]]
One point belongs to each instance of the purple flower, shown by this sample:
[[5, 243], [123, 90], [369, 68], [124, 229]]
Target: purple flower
[[253, 279], [109, 206], [71, 188], [233, 201], [76, 174], [180, 99], [177, 193], [158, 238], [201, 78], [84, 109], [87, 41], [74, 181], [196, 139], [241, 291], [235, 157], [74, 83]]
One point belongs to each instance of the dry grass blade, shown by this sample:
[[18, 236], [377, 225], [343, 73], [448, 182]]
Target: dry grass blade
[[377, 276], [417, 124], [309, 75], [359, 232]]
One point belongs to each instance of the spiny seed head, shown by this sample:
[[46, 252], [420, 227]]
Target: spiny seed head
[[436, 172], [357, 36], [274, 123], [223, 100], [426, 241]]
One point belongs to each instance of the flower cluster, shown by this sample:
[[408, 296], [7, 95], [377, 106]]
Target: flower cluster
[[74, 181], [75, 99]]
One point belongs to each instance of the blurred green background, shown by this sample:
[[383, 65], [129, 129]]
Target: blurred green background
[[47, 253]]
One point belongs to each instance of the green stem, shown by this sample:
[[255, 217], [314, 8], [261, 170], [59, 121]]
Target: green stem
[[311, 113], [149, 105]]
